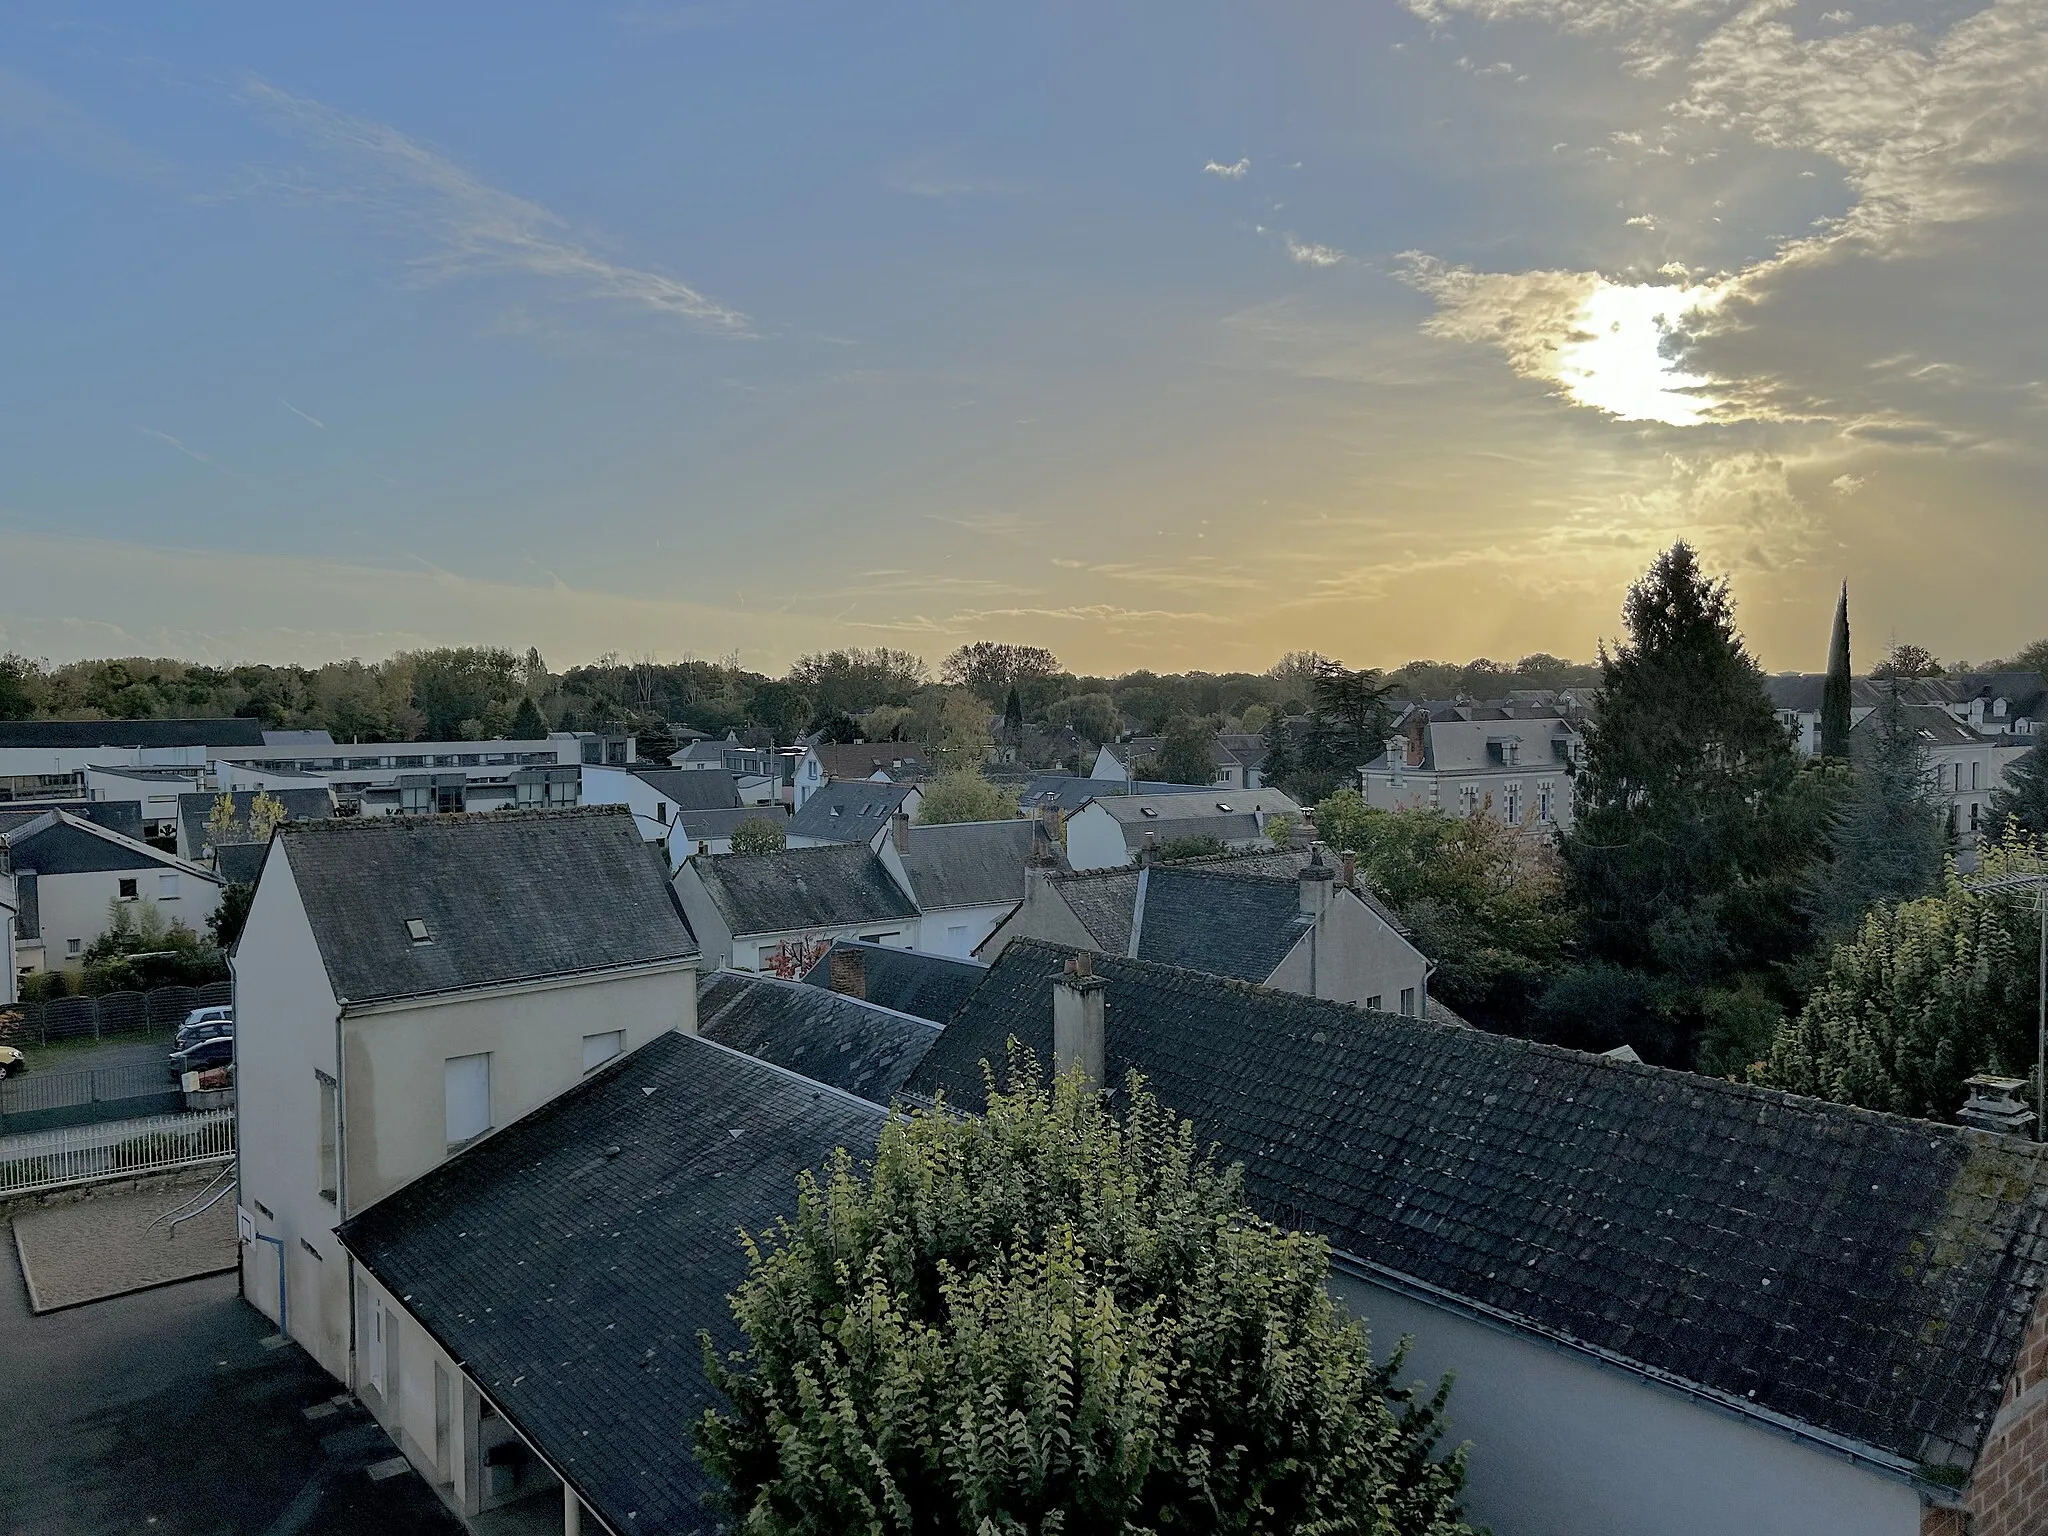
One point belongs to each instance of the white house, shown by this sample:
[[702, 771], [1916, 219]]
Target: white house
[[1675, 1305], [966, 877], [1112, 829], [1287, 921], [756, 771], [852, 811], [155, 791], [403, 988], [1507, 760], [413, 778], [776, 912], [11, 961], [84, 873], [47, 759], [1237, 759], [822, 763]]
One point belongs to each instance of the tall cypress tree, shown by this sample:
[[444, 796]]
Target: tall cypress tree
[[1690, 835], [1885, 843], [1834, 699], [2023, 797]]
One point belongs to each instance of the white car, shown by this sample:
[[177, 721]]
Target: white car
[[11, 1061], [219, 1013]]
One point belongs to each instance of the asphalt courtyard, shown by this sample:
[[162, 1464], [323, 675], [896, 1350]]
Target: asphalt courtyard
[[163, 1412]]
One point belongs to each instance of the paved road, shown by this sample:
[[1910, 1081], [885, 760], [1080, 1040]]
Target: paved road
[[162, 1412]]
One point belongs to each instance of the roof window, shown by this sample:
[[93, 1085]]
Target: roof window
[[416, 930], [1148, 810], [1222, 805]]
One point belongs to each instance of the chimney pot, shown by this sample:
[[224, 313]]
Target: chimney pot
[[1316, 879], [1348, 876]]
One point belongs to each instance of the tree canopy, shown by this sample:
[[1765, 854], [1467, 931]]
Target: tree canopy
[[2022, 800], [1836, 692], [759, 834], [1186, 753], [1885, 840], [963, 795], [1058, 1318]]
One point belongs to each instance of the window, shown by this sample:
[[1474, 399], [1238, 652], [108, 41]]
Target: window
[[416, 929], [880, 938], [167, 886], [128, 890], [661, 812], [376, 1349], [415, 800], [74, 946], [599, 1049], [1514, 803], [466, 1093], [1973, 816], [1543, 803], [956, 940], [330, 1136], [448, 799], [1973, 779], [1375, 1001], [1408, 1002]]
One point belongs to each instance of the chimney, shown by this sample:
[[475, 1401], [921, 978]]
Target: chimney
[[899, 831], [1397, 756], [1049, 818], [1315, 884], [1077, 1021], [1148, 853], [848, 974], [1994, 1105], [1347, 871]]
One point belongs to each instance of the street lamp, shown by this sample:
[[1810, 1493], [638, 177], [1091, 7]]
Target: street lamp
[[2037, 880]]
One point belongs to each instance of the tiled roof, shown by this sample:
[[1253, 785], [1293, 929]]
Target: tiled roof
[[64, 844], [224, 731], [693, 789], [834, 886], [1105, 901], [196, 810], [508, 897], [1866, 1276], [1070, 793], [239, 863], [570, 1260], [122, 816], [859, 1048], [969, 863], [849, 811], [1228, 924], [716, 824], [926, 986], [1166, 811]]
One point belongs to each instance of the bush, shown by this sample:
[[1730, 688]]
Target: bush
[[1191, 848], [759, 834], [1052, 1319]]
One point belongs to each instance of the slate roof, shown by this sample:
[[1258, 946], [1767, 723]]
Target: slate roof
[[239, 863], [834, 886], [1070, 793], [512, 896], [196, 810], [857, 1047], [122, 816], [1177, 816], [849, 811], [969, 863], [711, 825], [903, 761], [570, 1260], [223, 731], [925, 986], [1865, 1276], [63, 844], [1229, 924], [692, 789]]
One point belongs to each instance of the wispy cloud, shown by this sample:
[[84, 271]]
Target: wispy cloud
[[38, 120], [1310, 254], [477, 228], [1235, 171], [190, 452], [315, 420]]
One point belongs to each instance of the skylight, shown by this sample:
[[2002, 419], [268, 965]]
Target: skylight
[[416, 930], [1148, 810]]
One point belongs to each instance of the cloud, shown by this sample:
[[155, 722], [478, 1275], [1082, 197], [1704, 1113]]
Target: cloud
[[478, 230], [1236, 171], [38, 121], [1846, 485], [190, 452], [315, 420], [1310, 255]]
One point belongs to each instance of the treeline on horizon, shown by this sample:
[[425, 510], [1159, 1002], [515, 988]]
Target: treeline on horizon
[[478, 692]]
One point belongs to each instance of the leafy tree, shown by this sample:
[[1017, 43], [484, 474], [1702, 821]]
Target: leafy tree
[[1693, 826], [2022, 799], [952, 725], [2031, 658], [783, 708], [989, 669], [140, 948], [231, 915], [1053, 1318], [1834, 704], [222, 825], [1186, 754], [838, 728], [1482, 900], [466, 693], [17, 675], [853, 681], [1928, 993], [1908, 662], [265, 812], [962, 794], [1885, 843], [528, 723], [1193, 847], [759, 834], [1093, 716]]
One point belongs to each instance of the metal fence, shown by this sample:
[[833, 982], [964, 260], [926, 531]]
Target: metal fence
[[113, 1013], [60, 1090], [89, 1154]]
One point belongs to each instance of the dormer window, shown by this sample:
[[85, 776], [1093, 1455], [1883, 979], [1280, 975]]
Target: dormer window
[[416, 930]]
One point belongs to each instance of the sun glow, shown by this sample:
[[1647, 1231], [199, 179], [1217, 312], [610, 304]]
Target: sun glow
[[1616, 359]]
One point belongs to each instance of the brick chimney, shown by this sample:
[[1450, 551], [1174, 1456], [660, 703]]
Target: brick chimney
[[848, 974], [899, 831], [1995, 1105], [1078, 1021], [1347, 870], [1316, 879]]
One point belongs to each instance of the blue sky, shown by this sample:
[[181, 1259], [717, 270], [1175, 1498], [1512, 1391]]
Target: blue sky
[[1167, 335]]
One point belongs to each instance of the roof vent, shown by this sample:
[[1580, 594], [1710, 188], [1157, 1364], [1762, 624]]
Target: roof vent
[[416, 930]]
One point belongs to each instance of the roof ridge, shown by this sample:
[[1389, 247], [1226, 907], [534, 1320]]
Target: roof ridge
[[749, 977], [329, 824]]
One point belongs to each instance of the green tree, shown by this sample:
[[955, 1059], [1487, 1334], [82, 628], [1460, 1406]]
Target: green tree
[[2022, 798], [1093, 716], [1693, 828], [528, 723], [1885, 842], [1054, 1318], [1187, 753], [1928, 993], [952, 726], [18, 676], [1193, 847], [1834, 704], [988, 669], [2030, 658], [231, 914], [758, 834], [466, 693], [962, 794], [1013, 713], [853, 681], [1908, 662]]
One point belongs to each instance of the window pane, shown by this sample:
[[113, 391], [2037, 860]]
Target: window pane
[[467, 1093]]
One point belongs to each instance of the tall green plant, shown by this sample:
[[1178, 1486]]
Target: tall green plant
[[1058, 1319], [2021, 801], [1885, 841], [1834, 702]]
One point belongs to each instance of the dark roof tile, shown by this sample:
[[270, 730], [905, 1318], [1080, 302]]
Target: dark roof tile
[[74, 735], [856, 1047], [827, 887], [926, 986]]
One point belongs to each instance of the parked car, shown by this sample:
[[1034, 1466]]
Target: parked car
[[217, 1052], [206, 1015], [12, 1061], [206, 1029]]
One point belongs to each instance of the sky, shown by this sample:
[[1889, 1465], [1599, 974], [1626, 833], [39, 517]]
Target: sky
[[1165, 335]]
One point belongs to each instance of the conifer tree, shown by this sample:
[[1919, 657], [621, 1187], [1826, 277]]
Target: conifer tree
[[1834, 703], [1885, 843], [528, 724], [2023, 798]]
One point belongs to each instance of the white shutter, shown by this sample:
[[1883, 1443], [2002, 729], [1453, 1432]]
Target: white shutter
[[599, 1049], [467, 1085]]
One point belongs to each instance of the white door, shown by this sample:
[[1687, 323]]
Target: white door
[[467, 1089]]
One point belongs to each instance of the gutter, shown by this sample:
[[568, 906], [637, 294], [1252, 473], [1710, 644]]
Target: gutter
[[1886, 1463]]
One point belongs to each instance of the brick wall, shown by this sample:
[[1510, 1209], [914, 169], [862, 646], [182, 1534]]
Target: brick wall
[[2008, 1492]]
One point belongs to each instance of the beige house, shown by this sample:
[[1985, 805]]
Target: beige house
[[1509, 760], [404, 988]]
